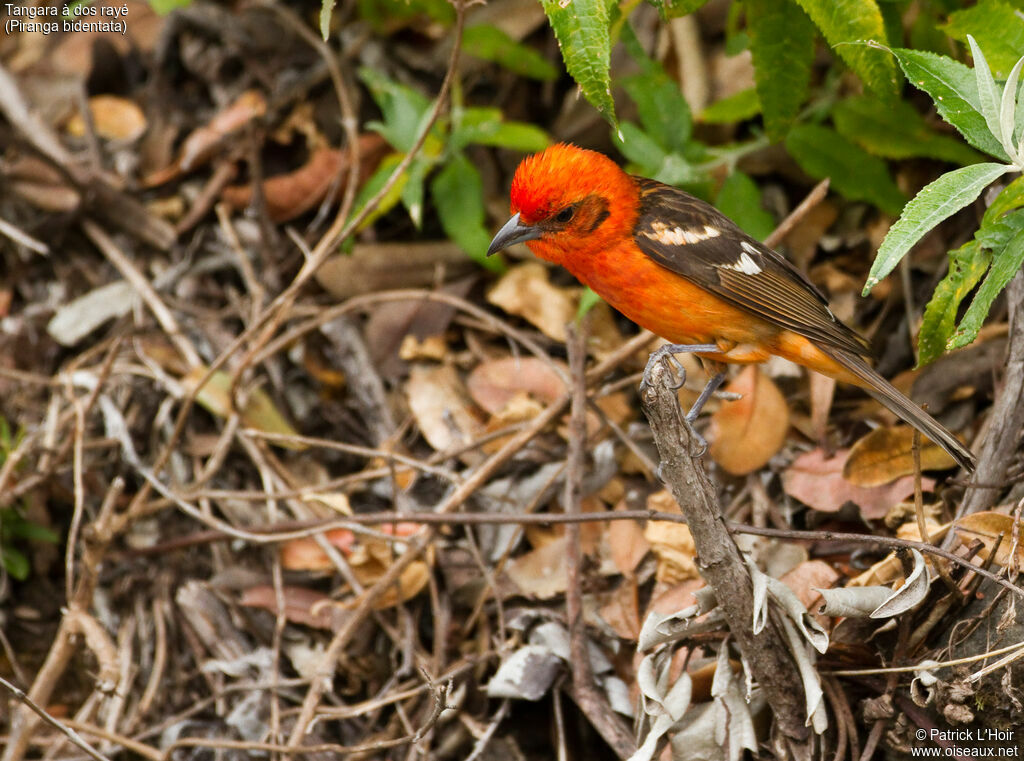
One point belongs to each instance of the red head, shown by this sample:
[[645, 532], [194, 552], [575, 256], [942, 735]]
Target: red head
[[567, 200]]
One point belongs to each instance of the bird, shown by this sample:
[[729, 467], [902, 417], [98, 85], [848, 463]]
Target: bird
[[675, 265]]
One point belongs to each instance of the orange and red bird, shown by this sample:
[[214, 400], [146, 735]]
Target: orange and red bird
[[680, 268]]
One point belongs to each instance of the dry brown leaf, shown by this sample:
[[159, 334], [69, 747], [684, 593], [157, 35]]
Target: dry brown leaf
[[745, 434], [114, 118], [626, 543], [541, 573], [822, 390], [817, 480], [432, 347], [441, 407], [987, 527], [202, 144], [886, 454], [807, 578], [802, 241], [672, 544], [494, 383], [301, 605], [621, 611], [260, 412], [525, 292]]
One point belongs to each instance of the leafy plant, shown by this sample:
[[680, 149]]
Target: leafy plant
[[987, 115], [14, 527], [455, 186]]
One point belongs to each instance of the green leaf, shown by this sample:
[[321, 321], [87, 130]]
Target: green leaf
[[15, 562], [326, 8], [588, 300], [846, 21], [1011, 197], [966, 266], [988, 92], [954, 89], [822, 152], [936, 201], [484, 126], [638, 147], [895, 130], [1005, 264], [736, 108], [663, 111], [33, 532], [740, 199], [998, 28], [676, 8], [458, 194], [402, 107], [492, 44], [782, 45], [412, 192], [373, 186], [581, 28]]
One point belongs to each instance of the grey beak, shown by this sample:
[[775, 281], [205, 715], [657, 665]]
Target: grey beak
[[512, 232]]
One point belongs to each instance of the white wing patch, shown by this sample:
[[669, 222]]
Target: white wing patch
[[745, 263], [679, 236]]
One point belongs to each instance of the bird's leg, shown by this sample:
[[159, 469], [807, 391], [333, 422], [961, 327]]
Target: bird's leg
[[713, 385], [670, 350]]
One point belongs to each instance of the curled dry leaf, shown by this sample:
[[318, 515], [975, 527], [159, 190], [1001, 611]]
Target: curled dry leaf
[[202, 144], [114, 118], [259, 413], [493, 384], [441, 407], [746, 433], [987, 528], [289, 195], [301, 605], [526, 292], [817, 480], [672, 544], [886, 454]]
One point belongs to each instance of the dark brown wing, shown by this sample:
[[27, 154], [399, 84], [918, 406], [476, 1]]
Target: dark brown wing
[[695, 240]]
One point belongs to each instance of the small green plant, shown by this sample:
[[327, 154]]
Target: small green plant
[[987, 115], [15, 529], [441, 166]]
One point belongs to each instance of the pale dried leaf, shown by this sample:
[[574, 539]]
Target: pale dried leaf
[[77, 319], [494, 383], [114, 117], [527, 674], [886, 454], [852, 602], [441, 407], [525, 292], [987, 527]]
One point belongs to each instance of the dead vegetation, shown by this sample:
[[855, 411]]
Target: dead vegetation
[[385, 504]]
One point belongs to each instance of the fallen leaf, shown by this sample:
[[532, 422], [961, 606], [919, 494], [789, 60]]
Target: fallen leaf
[[441, 407], [301, 605], [541, 573], [526, 292], [987, 527], [886, 454], [77, 319], [494, 383], [807, 578], [113, 117], [817, 480], [260, 411], [746, 433], [822, 390], [626, 543], [672, 544], [621, 611]]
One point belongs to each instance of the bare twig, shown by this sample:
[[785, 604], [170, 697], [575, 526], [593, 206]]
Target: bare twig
[[71, 734]]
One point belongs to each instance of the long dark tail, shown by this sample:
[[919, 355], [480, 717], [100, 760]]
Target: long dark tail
[[887, 394]]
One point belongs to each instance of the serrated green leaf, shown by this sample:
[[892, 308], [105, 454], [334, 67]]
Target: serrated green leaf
[[895, 130], [782, 46], [637, 146], [675, 8], [988, 92], [848, 21], [823, 152], [998, 28], [1008, 111], [492, 44], [581, 28], [967, 264], [740, 199], [735, 108], [458, 194], [954, 89], [936, 201], [1005, 264]]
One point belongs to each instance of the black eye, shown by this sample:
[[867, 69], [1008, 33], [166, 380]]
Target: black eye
[[565, 215]]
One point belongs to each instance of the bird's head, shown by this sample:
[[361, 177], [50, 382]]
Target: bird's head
[[565, 200]]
